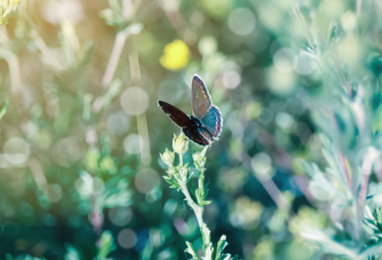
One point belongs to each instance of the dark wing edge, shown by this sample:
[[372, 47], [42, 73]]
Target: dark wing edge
[[200, 99], [175, 114]]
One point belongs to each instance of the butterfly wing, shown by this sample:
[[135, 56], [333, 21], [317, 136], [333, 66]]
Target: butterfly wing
[[201, 100], [175, 114], [213, 121], [199, 135], [210, 117]]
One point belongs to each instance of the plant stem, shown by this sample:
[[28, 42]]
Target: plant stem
[[144, 141], [181, 159], [274, 192], [198, 210], [14, 70], [45, 51], [37, 173], [358, 8], [117, 50], [201, 181], [369, 158]]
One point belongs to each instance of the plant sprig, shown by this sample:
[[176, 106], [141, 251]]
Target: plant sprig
[[178, 177]]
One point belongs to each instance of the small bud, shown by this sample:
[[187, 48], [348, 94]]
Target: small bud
[[171, 170], [168, 157], [180, 144]]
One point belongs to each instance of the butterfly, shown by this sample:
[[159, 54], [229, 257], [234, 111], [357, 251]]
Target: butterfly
[[206, 122]]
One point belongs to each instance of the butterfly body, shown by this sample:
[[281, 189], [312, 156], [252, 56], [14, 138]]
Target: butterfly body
[[206, 122], [195, 121]]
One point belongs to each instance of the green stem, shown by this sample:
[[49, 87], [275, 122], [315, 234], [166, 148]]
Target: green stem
[[198, 210], [201, 182], [181, 160]]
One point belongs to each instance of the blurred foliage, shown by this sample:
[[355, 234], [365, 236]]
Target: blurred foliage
[[295, 175], [6, 8]]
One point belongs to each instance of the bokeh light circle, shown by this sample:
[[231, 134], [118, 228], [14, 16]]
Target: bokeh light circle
[[262, 164], [241, 21], [349, 21], [132, 143], [134, 101], [43, 140], [53, 192], [304, 64], [284, 120], [283, 59], [127, 238], [55, 12], [171, 91], [207, 45], [231, 79], [66, 151], [281, 83], [266, 116], [146, 180], [16, 151], [120, 216], [169, 5], [378, 200], [118, 123]]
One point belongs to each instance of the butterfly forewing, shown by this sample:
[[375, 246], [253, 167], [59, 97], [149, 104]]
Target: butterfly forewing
[[176, 115], [201, 100], [213, 121]]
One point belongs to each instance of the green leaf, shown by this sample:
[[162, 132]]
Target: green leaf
[[191, 251], [147, 251], [220, 247], [106, 245], [372, 251], [72, 253], [174, 184], [330, 246]]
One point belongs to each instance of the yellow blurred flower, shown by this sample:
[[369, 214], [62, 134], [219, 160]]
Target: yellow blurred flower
[[176, 55], [6, 7]]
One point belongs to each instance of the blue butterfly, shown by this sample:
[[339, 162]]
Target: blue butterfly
[[206, 122]]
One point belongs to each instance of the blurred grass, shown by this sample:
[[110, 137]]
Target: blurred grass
[[80, 131]]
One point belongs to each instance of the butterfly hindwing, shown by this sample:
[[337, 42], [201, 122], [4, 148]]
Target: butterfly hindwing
[[199, 135], [175, 114], [201, 100], [213, 121]]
